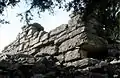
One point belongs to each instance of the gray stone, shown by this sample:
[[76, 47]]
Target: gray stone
[[21, 47], [61, 39], [51, 39], [34, 41], [35, 35], [14, 51], [41, 33], [23, 34], [61, 34], [37, 45], [44, 37], [45, 42], [72, 22], [80, 24], [68, 64], [26, 45], [32, 51], [22, 40], [50, 50], [71, 28], [30, 36], [58, 30], [76, 32], [31, 60], [72, 55], [85, 62], [115, 62], [60, 58], [72, 43]]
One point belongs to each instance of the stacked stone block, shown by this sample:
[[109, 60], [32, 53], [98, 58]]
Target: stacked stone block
[[68, 42]]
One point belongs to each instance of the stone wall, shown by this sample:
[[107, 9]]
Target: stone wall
[[68, 42], [72, 50]]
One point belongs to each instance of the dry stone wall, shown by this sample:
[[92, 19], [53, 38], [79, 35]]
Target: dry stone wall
[[68, 42], [72, 50]]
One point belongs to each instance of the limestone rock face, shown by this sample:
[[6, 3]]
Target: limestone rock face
[[72, 50]]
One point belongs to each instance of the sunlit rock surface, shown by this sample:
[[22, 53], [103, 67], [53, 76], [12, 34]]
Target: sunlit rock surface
[[72, 50]]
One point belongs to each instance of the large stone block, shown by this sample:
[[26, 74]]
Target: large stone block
[[76, 32], [48, 50], [58, 29], [72, 43], [37, 45], [61, 34], [72, 55], [61, 39]]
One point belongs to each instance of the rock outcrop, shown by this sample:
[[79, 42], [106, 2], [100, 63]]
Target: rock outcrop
[[72, 50]]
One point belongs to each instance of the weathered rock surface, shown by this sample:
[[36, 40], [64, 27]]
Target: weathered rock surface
[[72, 50]]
